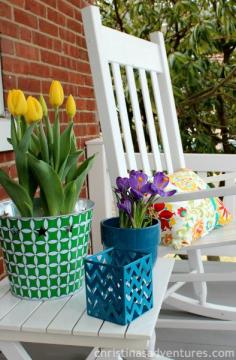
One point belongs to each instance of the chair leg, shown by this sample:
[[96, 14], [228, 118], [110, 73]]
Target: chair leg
[[14, 351], [195, 263]]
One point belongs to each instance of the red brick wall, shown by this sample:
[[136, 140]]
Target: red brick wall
[[40, 41]]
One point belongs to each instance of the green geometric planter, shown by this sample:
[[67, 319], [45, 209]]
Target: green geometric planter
[[44, 255]]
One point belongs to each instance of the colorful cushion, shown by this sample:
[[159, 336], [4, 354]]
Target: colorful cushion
[[186, 221]]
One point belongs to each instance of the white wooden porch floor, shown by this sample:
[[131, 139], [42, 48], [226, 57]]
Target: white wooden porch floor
[[167, 339]]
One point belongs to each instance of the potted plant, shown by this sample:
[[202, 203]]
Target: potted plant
[[44, 229], [136, 228]]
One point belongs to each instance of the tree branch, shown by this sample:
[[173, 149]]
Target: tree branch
[[118, 18], [210, 91]]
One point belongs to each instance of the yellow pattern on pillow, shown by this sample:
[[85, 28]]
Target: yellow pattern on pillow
[[186, 221]]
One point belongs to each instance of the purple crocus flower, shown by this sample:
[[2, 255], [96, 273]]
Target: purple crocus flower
[[138, 183], [125, 205], [122, 184], [160, 182]]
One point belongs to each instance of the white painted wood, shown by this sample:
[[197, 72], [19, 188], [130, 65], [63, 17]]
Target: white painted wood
[[70, 314], [93, 354], [193, 277], [210, 267], [217, 178], [198, 162], [4, 287], [128, 50], [13, 351], [88, 326], [5, 130], [19, 314], [44, 314], [161, 273], [52, 321], [152, 342], [103, 90], [210, 310], [8, 302], [62, 339], [112, 330], [161, 118], [179, 282], [213, 325], [202, 194], [137, 119], [150, 119], [195, 263], [168, 102], [119, 89], [99, 190]]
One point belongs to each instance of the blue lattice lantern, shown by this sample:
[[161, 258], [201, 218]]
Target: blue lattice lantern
[[118, 285]]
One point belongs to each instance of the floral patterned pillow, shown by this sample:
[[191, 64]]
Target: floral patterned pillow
[[186, 221]]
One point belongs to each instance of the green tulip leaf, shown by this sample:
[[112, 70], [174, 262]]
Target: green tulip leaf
[[72, 171], [84, 168], [13, 133], [22, 159], [43, 143], [73, 188], [49, 183], [18, 194], [70, 198], [65, 143], [69, 163], [23, 125], [56, 141], [25, 141]]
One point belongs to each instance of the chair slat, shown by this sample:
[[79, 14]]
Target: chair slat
[[150, 119], [119, 89], [161, 119], [168, 103], [104, 95], [138, 119]]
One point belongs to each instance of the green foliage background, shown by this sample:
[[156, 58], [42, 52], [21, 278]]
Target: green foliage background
[[200, 37]]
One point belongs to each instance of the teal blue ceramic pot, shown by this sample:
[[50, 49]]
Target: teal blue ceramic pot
[[144, 239]]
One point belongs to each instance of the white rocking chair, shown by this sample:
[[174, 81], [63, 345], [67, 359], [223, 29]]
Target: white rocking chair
[[113, 55]]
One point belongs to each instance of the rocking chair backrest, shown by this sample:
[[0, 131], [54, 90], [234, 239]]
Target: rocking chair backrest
[[129, 73]]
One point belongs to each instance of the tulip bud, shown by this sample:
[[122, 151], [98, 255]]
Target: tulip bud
[[16, 102], [35, 111], [56, 94], [70, 107], [44, 105]]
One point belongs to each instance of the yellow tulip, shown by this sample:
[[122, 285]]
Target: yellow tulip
[[56, 94], [16, 102], [35, 111], [70, 107], [44, 105]]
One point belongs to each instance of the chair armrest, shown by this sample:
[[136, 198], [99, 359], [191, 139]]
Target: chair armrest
[[201, 194], [217, 178]]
